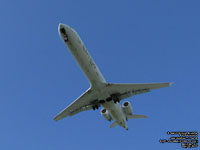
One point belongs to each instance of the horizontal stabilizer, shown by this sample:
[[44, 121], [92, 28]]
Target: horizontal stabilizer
[[136, 116], [113, 124]]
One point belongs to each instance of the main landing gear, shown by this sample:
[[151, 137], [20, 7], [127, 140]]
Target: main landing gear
[[95, 107], [113, 97]]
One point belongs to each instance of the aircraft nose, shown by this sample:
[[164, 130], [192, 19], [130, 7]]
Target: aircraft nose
[[62, 29], [60, 25]]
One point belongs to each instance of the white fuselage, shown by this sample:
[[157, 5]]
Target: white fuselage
[[90, 69], [117, 114], [82, 57]]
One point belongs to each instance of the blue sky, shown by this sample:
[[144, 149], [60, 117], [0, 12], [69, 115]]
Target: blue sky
[[131, 42]]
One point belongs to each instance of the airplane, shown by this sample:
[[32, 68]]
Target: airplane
[[101, 93]]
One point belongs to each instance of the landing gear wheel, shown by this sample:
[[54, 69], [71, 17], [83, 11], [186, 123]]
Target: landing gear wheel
[[109, 99], [115, 99], [102, 101], [95, 107]]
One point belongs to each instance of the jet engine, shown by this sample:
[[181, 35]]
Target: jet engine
[[127, 108], [106, 114]]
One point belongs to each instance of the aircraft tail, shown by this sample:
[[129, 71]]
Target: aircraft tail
[[113, 124]]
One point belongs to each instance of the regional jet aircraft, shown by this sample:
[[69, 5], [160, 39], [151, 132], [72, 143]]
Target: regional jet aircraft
[[100, 92]]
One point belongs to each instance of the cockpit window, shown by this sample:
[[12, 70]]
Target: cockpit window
[[64, 34], [62, 30]]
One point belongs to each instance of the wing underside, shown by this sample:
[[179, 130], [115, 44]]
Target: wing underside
[[126, 90], [83, 103], [88, 99]]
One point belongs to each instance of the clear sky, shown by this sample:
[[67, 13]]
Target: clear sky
[[134, 41]]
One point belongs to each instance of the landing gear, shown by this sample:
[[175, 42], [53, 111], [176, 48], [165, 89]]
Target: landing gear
[[115, 99], [96, 104], [95, 107], [108, 99], [102, 101]]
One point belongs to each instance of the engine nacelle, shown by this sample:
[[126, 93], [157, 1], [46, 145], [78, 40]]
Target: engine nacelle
[[127, 108], [106, 114]]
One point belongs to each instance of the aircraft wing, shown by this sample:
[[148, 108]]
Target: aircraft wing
[[85, 102], [123, 91]]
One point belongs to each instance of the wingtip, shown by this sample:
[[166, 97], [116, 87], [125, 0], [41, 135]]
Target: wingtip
[[170, 84], [55, 119]]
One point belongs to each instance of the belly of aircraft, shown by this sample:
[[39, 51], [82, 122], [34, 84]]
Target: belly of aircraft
[[115, 111]]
